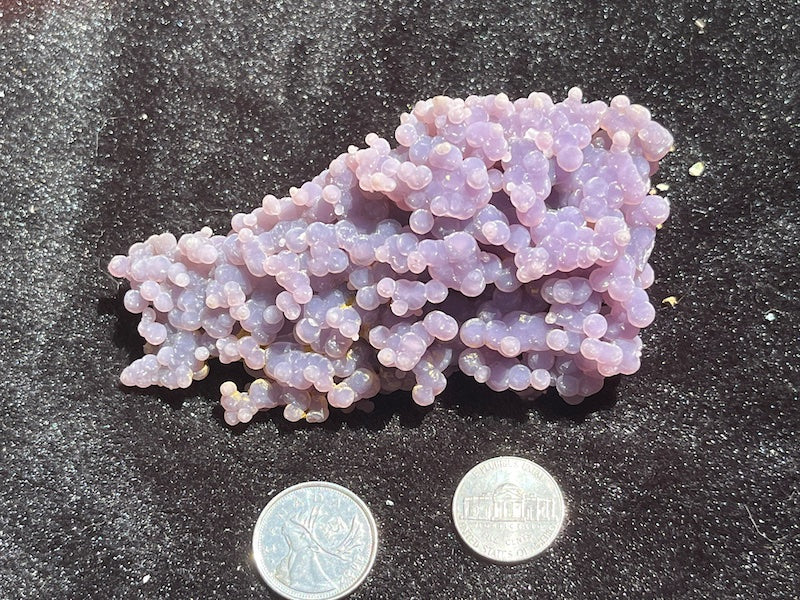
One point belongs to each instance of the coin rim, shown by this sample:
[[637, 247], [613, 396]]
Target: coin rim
[[262, 517], [529, 556]]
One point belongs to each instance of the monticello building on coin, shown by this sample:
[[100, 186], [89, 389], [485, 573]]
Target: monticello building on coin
[[509, 503]]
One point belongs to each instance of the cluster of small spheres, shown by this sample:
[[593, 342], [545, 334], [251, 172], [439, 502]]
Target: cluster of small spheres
[[507, 239]]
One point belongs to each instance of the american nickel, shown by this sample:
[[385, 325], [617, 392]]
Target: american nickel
[[508, 509], [315, 541]]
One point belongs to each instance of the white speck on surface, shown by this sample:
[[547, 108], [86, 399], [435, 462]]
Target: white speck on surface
[[770, 316], [143, 117], [662, 187], [389, 503], [701, 24], [697, 169], [145, 579]]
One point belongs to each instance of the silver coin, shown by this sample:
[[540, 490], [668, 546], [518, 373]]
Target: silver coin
[[508, 509], [315, 541]]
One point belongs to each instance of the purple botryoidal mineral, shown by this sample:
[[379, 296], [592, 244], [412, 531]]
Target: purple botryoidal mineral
[[506, 239]]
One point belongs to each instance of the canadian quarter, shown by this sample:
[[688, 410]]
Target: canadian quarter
[[508, 509], [315, 541]]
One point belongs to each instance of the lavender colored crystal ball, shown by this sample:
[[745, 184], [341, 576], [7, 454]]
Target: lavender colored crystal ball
[[507, 239]]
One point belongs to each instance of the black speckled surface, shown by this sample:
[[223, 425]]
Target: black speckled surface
[[122, 119]]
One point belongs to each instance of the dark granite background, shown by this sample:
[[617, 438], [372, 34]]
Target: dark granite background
[[122, 119]]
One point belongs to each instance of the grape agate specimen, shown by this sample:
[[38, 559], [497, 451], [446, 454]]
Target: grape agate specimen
[[507, 239]]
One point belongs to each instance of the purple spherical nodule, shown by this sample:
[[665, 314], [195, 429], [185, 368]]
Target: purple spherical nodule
[[507, 239]]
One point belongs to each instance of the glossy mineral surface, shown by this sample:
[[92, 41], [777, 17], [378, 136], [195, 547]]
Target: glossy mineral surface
[[507, 239]]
